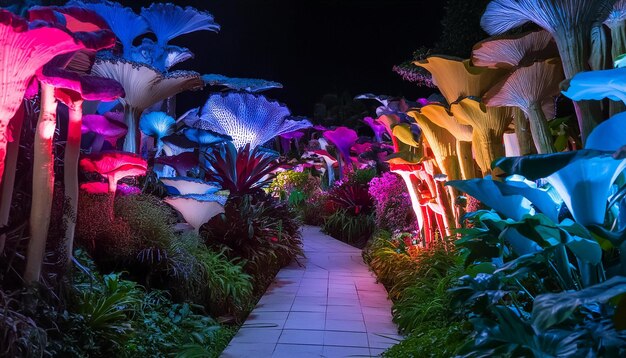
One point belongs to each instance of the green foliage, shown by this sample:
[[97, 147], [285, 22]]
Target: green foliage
[[349, 228], [429, 341], [141, 241], [259, 230]]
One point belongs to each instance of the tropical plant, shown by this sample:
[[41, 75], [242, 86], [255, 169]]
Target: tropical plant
[[258, 229], [241, 171]]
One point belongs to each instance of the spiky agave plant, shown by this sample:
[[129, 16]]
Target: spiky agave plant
[[241, 171]]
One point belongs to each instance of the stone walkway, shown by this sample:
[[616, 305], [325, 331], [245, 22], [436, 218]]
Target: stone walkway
[[332, 307]]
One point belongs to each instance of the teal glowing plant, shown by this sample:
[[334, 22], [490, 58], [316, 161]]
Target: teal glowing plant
[[157, 125], [246, 118], [597, 85], [582, 179]]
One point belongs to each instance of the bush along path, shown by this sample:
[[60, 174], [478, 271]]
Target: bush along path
[[327, 305]]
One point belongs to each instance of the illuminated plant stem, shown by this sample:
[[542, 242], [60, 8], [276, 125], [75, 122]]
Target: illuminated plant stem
[[70, 174], [522, 131], [8, 181], [540, 130], [132, 139], [43, 184], [466, 161]]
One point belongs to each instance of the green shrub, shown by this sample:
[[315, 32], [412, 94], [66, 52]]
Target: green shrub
[[352, 229]]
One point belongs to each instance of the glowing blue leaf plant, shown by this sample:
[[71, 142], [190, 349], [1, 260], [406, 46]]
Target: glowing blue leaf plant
[[252, 85], [125, 23], [583, 178], [246, 118], [597, 85]]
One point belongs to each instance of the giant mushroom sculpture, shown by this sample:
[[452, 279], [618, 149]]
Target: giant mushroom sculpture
[[570, 22], [114, 165], [532, 89], [246, 118], [168, 21], [144, 86], [197, 209], [124, 22]]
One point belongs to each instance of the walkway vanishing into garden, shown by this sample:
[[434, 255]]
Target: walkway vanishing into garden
[[332, 307]]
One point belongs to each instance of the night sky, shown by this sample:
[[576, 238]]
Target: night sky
[[312, 47]]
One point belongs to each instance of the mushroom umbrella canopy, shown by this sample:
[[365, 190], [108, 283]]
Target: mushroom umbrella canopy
[[124, 22], [114, 165], [343, 138], [144, 86], [510, 51], [531, 88], [182, 162], [441, 116], [247, 118], [570, 22], [197, 209], [252, 85], [379, 129], [457, 78], [25, 48], [105, 128], [489, 125], [157, 125]]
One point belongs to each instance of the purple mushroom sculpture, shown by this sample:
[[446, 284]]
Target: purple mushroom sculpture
[[343, 138]]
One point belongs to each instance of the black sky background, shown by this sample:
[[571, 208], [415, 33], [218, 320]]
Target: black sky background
[[312, 47]]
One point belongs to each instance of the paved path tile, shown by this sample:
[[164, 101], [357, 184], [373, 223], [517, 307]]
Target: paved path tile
[[330, 307]]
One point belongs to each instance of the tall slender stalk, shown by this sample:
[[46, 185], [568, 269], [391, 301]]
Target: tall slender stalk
[[70, 179], [43, 184]]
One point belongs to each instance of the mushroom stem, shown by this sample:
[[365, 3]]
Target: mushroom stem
[[8, 182], [132, 139], [97, 144], [522, 131], [618, 47], [540, 130], [490, 149], [574, 50], [70, 174], [112, 180], [43, 184], [466, 161]]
